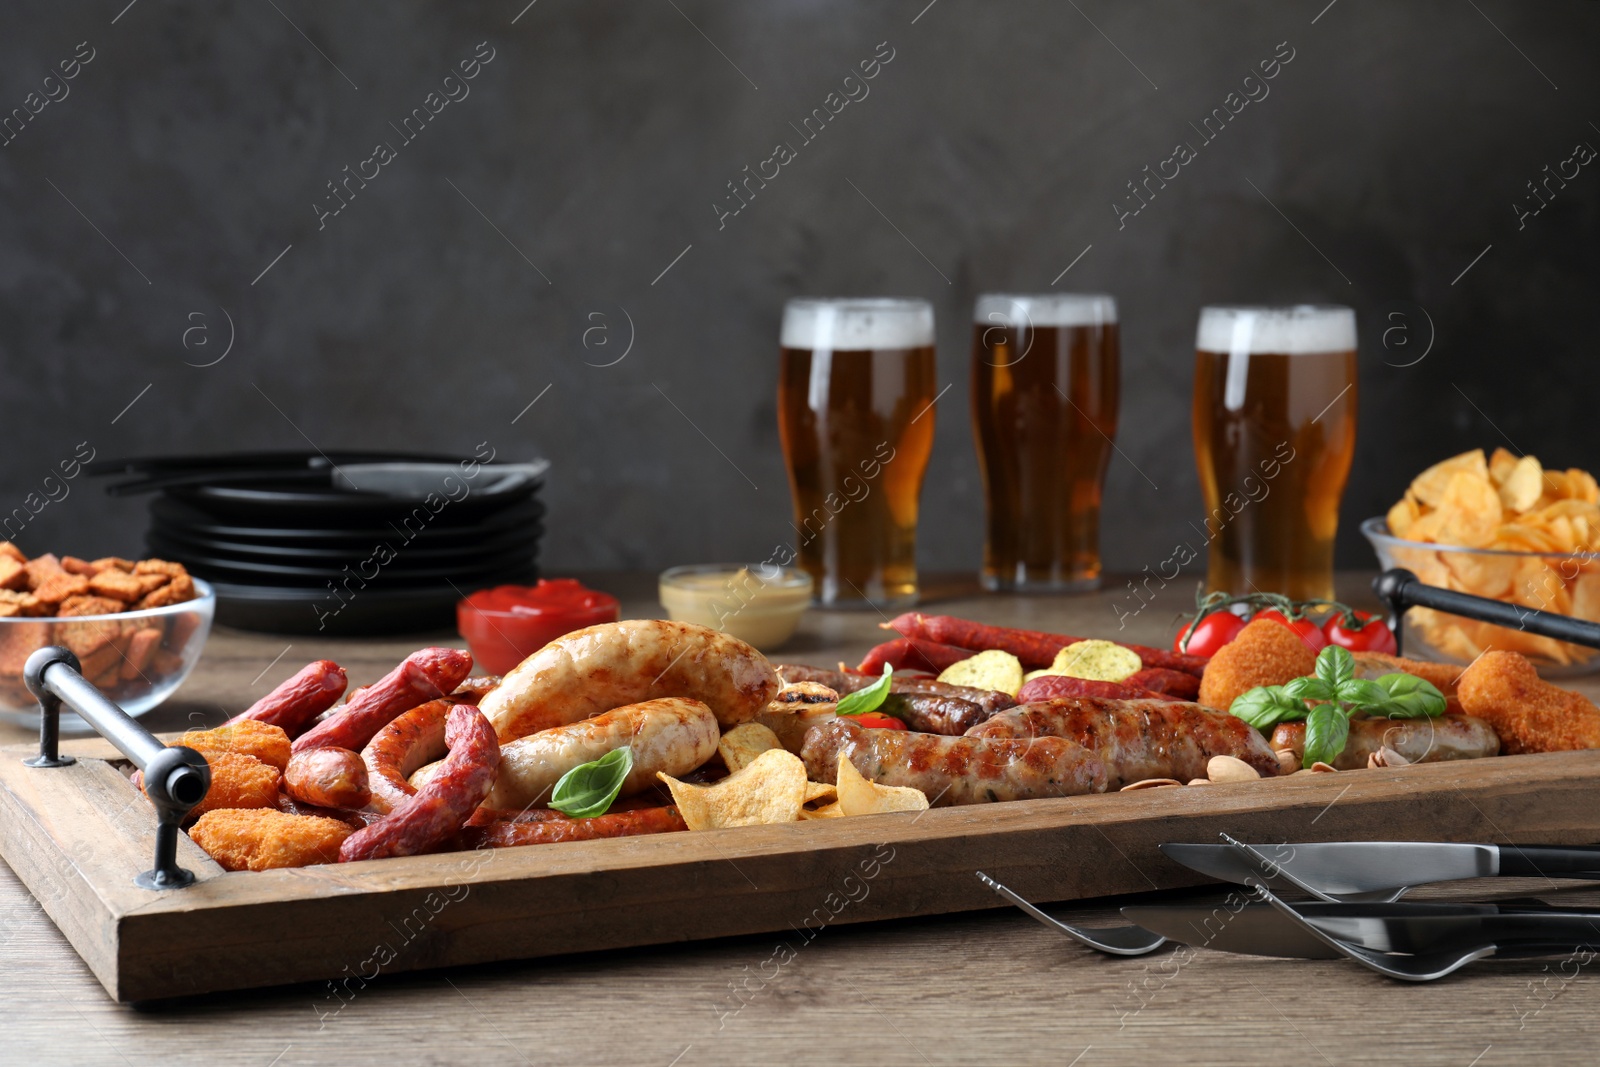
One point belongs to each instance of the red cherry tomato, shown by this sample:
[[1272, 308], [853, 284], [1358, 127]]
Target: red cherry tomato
[[1368, 634], [1309, 632], [1209, 635], [876, 720]]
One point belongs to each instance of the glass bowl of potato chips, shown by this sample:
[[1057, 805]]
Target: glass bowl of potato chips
[[1501, 527]]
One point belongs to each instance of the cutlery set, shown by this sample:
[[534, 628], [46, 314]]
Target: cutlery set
[[1354, 911]]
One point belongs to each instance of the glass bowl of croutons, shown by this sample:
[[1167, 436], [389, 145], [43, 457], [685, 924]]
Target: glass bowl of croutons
[[136, 626]]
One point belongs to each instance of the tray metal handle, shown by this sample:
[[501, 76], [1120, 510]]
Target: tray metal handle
[[175, 778], [1401, 589]]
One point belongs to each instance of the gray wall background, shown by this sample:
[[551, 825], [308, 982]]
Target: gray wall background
[[457, 287]]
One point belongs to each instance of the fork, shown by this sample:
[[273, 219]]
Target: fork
[[1125, 940]]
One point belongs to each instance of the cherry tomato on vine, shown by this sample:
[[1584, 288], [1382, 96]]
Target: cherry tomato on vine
[[1368, 633], [1209, 635], [1310, 633]]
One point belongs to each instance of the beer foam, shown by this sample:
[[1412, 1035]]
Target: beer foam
[[1048, 309], [826, 324], [1295, 331]]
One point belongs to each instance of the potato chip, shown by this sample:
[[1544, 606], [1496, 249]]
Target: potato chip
[[827, 811], [993, 669], [771, 789], [1523, 485], [819, 791], [1100, 661], [1471, 510], [1431, 485], [1582, 486], [1402, 515], [1480, 574], [862, 796], [1501, 464], [741, 745]]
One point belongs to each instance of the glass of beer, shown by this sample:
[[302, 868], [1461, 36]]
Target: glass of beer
[[1274, 433], [856, 394], [1044, 412]]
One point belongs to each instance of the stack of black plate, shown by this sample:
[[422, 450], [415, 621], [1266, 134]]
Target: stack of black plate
[[348, 543]]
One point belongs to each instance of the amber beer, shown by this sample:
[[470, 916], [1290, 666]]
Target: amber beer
[[1274, 433], [1044, 412], [855, 413]]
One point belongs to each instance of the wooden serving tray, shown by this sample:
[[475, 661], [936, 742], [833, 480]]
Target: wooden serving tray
[[77, 835]]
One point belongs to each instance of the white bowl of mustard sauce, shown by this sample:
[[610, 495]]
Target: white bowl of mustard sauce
[[760, 603]]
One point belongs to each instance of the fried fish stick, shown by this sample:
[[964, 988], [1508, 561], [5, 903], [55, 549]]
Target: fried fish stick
[[261, 839]]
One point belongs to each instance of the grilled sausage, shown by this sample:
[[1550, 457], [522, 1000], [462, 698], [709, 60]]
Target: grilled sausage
[[328, 778], [294, 705], [674, 735], [956, 770], [929, 714], [440, 808], [413, 739], [1063, 687], [505, 833], [1138, 739], [1448, 737], [426, 674], [619, 663], [843, 682]]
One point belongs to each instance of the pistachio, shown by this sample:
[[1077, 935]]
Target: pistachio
[[1322, 768], [1151, 783], [1199, 781], [1288, 762], [1230, 769]]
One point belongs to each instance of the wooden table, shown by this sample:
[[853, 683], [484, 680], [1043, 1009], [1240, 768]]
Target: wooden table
[[991, 988]]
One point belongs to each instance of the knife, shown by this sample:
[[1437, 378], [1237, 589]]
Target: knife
[[1386, 869], [1261, 930]]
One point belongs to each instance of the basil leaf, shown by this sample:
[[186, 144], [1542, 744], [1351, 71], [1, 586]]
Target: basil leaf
[[1327, 730], [1309, 689], [868, 699], [589, 788], [1335, 664], [1363, 694], [1408, 697], [1265, 706]]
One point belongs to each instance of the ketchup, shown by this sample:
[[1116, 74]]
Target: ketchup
[[505, 625]]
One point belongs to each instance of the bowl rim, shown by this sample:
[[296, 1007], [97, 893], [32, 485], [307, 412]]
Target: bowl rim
[[1376, 530], [789, 578], [208, 596]]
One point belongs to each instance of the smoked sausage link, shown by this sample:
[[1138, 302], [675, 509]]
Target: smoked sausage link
[[426, 674], [296, 703], [439, 809]]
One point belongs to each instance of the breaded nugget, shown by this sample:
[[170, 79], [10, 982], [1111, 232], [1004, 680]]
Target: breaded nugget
[[260, 839], [239, 781], [1444, 676], [247, 737], [1264, 653], [1530, 715]]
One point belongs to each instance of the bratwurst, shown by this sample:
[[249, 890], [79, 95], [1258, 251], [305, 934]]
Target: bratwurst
[[1448, 737], [842, 682], [955, 770], [674, 735], [603, 667], [1138, 739]]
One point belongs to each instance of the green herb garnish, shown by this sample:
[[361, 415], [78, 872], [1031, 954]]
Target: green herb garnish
[[589, 788], [864, 700], [1327, 699]]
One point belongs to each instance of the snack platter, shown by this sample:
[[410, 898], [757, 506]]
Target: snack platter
[[73, 837], [694, 789]]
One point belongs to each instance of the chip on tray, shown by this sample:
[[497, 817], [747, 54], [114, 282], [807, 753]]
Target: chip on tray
[[1503, 504], [1100, 661], [859, 795], [994, 670], [740, 746], [770, 789]]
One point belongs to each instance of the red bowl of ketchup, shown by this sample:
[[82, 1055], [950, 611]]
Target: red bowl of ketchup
[[505, 625]]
